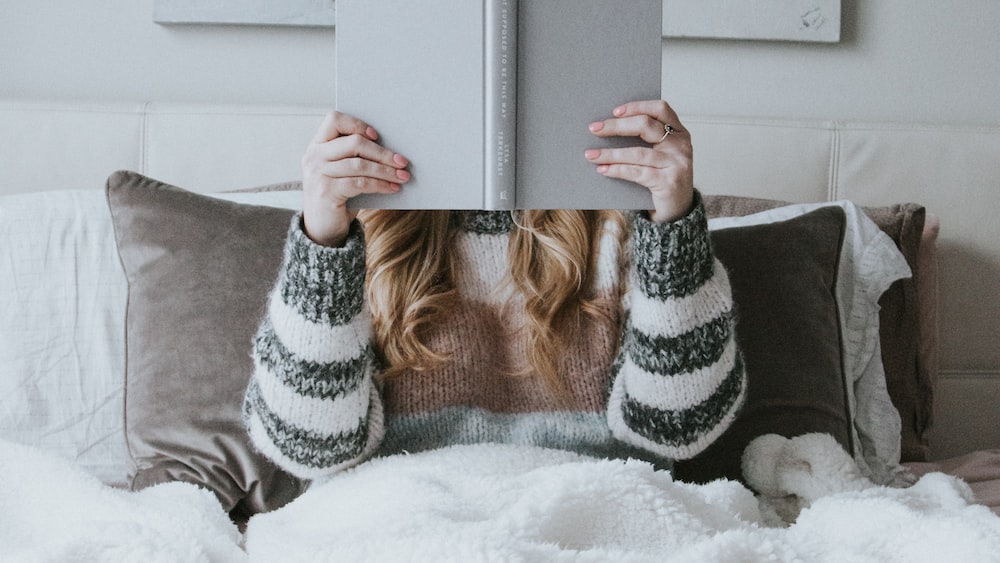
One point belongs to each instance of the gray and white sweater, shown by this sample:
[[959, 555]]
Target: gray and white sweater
[[315, 404]]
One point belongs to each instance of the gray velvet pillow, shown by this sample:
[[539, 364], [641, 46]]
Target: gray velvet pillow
[[783, 277], [199, 270]]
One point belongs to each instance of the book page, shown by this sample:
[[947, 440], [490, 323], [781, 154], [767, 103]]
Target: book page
[[414, 72], [577, 61]]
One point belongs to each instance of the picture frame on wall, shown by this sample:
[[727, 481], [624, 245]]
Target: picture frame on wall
[[299, 13], [775, 20]]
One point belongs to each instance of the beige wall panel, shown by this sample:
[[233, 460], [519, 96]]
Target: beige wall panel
[[784, 160], [52, 146]]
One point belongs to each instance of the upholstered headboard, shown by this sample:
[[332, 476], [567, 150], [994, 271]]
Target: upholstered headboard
[[953, 171], [66, 145]]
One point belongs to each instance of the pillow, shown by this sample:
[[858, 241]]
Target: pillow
[[908, 369], [199, 270], [906, 333], [61, 329], [784, 276]]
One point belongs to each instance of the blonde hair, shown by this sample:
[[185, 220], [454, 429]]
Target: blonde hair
[[553, 264]]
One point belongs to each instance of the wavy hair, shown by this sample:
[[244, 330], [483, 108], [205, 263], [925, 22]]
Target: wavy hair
[[553, 264]]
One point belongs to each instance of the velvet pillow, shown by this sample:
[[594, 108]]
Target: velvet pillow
[[909, 371], [783, 276], [199, 270]]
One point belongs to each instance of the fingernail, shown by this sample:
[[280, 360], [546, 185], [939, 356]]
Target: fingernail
[[591, 154], [371, 133], [619, 111], [596, 126], [602, 169], [403, 175], [395, 187], [400, 160]]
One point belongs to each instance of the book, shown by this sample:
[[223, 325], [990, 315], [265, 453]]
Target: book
[[490, 100]]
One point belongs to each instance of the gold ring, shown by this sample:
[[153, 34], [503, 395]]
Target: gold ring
[[667, 129]]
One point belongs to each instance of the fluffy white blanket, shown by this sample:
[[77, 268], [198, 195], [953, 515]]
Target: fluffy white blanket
[[485, 503], [51, 511]]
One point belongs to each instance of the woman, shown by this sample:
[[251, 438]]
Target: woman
[[597, 332]]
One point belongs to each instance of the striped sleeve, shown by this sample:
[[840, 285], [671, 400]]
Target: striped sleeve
[[679, 378], [311, 405]]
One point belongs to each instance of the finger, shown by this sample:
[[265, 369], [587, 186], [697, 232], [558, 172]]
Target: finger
[[642, 156], [359, 146], [337, 124], [353, 187], [361, 168], [657, 109], [338, 190], [643, 126], [645, 176]]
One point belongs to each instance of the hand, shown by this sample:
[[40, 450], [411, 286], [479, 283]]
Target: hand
[[665, 167], [343, 161]]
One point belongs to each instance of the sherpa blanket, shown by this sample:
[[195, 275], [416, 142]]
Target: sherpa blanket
[[508, 503], [484, 503], [54, 512]]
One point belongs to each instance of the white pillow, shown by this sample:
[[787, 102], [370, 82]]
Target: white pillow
[[62, 331], [869, 263], [62, 325]]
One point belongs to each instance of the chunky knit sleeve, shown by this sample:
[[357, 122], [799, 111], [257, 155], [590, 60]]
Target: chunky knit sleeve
[[679, 378], [311, 405]]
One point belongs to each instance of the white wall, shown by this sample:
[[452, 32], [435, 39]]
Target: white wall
[[112, 50], [898, 60]]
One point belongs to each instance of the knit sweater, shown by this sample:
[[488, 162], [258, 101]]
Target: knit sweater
[[662, 386]]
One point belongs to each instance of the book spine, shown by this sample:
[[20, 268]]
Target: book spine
[[500, 102]]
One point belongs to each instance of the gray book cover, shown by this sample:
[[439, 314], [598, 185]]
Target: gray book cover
[[430, 76]]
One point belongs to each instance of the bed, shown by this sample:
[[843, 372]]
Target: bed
[[135, 270]]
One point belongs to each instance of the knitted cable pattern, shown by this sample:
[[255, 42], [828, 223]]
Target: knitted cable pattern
[[311, 405], [679, 379]]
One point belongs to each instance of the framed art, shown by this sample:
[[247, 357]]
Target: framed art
[[303, 13], [780, 20]]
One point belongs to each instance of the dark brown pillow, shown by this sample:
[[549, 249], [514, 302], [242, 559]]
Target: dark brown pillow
[[199, 270], [909, 372], [783, 276]]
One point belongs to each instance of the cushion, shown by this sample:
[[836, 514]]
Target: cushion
[[199, 269], [907, 367], [783, 275], [906, 332], [62, 349]]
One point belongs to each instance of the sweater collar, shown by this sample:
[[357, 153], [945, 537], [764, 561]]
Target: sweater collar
[[484, 222]]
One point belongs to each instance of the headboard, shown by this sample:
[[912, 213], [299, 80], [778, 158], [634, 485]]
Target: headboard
[[67, 145], [953, 171]]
